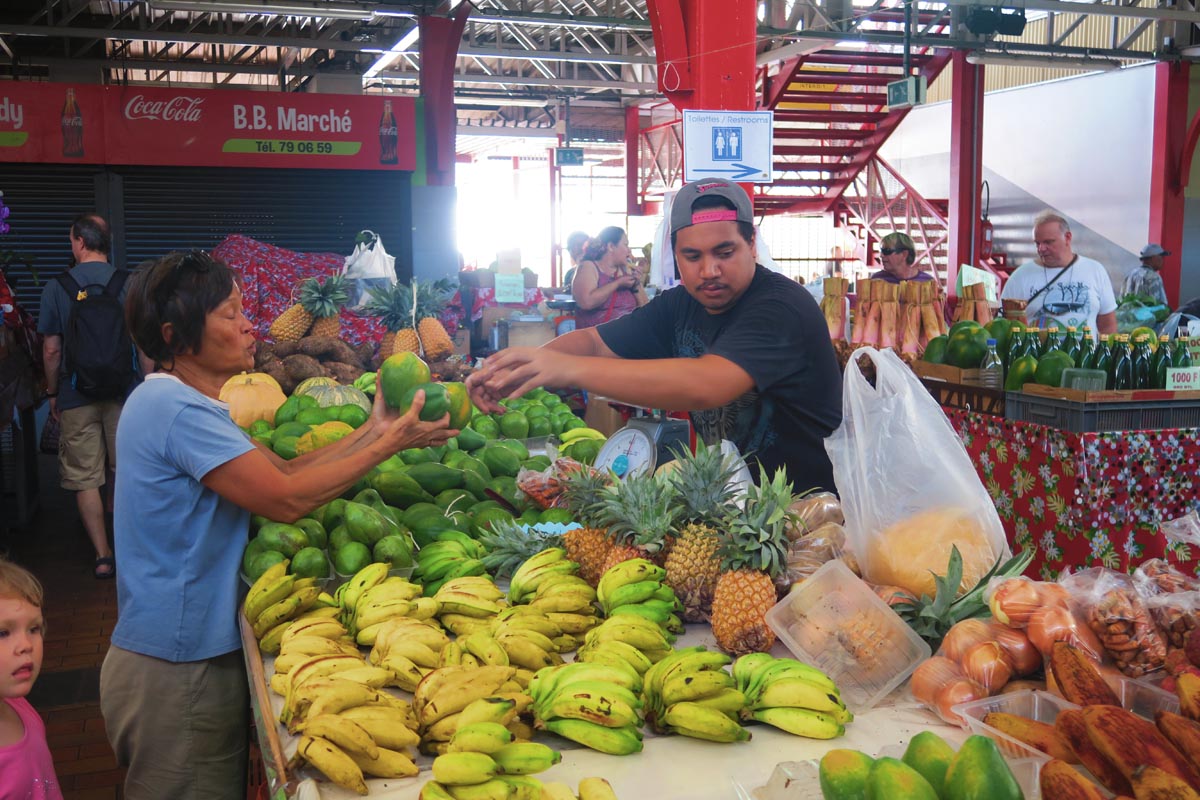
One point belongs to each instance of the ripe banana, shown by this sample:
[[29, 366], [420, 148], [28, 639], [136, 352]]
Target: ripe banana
[[260, 598], [420, 654], [530, 582], [272, 640], [563, 603], [364, 579], [335, 764], [388, 764], [557, 791], [460, 690], [730, 702], [594, 707], [522, 787], [266, 582], [433, 790], [785, 667], [702, 722], [369, 614], [500, 710], [337, 697], [531, 565], [525, 758], [464, 769], [527, 653], [489, 651], [621, 628], [406, 674], [547, 682], [312, 646], [627, 572], [451, 655], [573, 623], [636, 658], [495, 789], [390, 733], [375, 677], [345, 733], [612, 741], [481, 586], [797, 693], [326, 628], [596, 789], [566, 437], [280, 612], [688, 660], [480, 737], [530, 622], [659, 616], [801, 722]]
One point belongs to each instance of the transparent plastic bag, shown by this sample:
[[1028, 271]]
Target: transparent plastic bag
[[813, 511], [812, 551], [1176, 614], [545, 487], [1042, 611], [1111, 607], [1182, 530], [940, 684], [908, 489]]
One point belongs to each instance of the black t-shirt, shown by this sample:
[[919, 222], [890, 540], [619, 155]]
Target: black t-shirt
[[776, 333]]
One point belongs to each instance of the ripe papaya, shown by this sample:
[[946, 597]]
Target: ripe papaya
[[979, 772], [436, 478], [400, 373], [930, 755], [844, 773], [892, 779]]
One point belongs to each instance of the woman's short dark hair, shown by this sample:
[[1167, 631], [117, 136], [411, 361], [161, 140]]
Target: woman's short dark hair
[[598, 246], [901, 241], [180, 289], [745, 229], [91, 228]]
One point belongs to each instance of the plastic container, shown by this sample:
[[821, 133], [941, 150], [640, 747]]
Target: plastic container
[[1035, 705], [836, 623], [1141, 696], [1075, 417], [1088, 380]]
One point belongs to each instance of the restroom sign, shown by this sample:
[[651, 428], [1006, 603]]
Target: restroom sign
[[728, 144]]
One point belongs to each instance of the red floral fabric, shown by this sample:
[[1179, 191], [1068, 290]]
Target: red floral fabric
[[485, 297], [271, 275], [1086, 499]]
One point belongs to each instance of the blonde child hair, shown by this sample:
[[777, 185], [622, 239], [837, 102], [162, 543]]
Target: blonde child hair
[[16, 581]]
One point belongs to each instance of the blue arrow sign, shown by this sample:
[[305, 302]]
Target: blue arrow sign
[[742, 171]]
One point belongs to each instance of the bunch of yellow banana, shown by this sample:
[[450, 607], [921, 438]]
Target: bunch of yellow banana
[[452, 554], [331, 683], [567, 600], [410, 648], [361, 740], [321, 619], [689, 693], [442, 696], [274, 600], [389, 599], [635, 588], [516, 618], [525, 581], [638, 632], [589, 789], [484, 759], [791, 696], [468, 604], [595, 705]]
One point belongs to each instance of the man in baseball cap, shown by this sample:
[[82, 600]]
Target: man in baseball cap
[[1144, 279], [744, 350]]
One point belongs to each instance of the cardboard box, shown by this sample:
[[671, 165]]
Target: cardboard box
[[528, 334]]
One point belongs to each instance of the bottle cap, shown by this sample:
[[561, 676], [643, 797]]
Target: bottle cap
[[991, 342]]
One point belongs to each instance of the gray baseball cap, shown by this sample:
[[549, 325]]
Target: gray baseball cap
[[1154, 250], [682, 215]]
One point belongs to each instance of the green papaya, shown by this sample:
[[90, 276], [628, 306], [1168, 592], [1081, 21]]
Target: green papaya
[[314, 531], [367, 525], [257, 521], [397, 488], [339, 537], [284, 538], [470, 439], [475, 483], [475, 465], [843, 774], [501, 461], [537, 463], [417, 455], [334, 513], [930, 755], [253, 548], [368, 497], [454, 458], [979, 772], [391, 463], [285, 446], [892, 779], [436, 478], [288, 411], [515, 446], [455, 498]]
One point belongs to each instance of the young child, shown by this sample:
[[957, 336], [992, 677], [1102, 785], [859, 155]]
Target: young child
[[26, 769]]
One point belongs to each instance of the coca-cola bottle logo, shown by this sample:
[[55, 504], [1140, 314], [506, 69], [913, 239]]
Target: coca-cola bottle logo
[[176, 109]]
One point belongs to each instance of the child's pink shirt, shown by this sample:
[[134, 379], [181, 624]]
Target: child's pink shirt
[[26, 769]]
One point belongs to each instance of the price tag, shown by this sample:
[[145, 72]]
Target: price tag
[[1184, 379], [510, 288]]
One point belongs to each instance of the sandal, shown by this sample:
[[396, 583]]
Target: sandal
[[100, 572]]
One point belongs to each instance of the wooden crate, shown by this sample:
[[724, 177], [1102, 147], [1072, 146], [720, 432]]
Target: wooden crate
[[1108, 395], [966, 396]]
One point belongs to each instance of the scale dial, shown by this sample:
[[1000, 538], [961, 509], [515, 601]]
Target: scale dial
[[629, 451]]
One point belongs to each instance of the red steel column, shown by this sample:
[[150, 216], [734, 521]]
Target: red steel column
[[440, 37], [705, 53], [633, 171], [1167, 154], [966, 165]]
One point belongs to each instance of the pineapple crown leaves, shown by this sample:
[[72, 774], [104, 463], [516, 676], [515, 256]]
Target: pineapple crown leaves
[[584, 491], [324, 298], [756, 535], [510, 544], [431, 298], [393, 304], [703, 483], [641, 510]]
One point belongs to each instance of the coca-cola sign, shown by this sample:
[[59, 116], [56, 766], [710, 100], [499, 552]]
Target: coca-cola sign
[[177, 109]]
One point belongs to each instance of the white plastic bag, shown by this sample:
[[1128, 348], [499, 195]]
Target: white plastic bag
[[908, 487], [368, 267]]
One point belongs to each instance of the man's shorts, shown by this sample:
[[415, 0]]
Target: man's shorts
[[87, 440]]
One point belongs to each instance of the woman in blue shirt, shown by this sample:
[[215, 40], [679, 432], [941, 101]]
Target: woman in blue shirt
[[173, 688]]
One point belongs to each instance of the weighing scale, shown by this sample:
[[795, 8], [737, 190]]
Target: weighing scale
[[645, 443]]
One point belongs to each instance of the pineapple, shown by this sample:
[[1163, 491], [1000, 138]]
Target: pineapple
[[705, 495], [394, 305], [640, 514], [588, 546], [294, 322], [753, 552], [323, 301], [431, 299]]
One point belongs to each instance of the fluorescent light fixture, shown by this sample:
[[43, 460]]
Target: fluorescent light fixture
[[384, 61], [1052, 62], [297, 8]]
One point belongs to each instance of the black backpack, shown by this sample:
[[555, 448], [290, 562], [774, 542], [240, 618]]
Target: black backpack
[[98, 352]]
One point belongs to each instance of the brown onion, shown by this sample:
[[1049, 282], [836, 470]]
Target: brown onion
[[963, 636], [931, 676], [1014, 601], [960, 691], [986, 664], [1024, 657], [1057, 624]]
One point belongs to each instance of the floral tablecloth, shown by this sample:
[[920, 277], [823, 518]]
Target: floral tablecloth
[[270, 275], [1086, 499]]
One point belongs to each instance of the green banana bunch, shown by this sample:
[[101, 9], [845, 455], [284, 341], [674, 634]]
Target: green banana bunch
[[791, 696], [690, 686], [593, 704], [535, 569], [566, 437], [638, 632], [702, 722]]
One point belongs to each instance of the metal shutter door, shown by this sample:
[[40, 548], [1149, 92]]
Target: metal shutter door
[[183, 208], [44, 198]]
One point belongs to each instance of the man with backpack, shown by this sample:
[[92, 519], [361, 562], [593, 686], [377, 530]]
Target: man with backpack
[[91, 365]]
